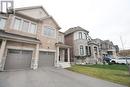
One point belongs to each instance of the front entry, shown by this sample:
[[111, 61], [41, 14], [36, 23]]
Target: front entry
[[18, 59], [46, 59]]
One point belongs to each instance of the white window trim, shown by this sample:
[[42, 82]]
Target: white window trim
[[22, 20]]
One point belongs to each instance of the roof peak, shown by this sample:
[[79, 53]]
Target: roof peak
[[73, 29]]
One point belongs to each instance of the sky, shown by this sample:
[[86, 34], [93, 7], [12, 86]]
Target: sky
[[104, 19]]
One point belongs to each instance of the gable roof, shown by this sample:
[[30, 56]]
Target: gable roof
[[31, 7], [18, 10], [74, 29]]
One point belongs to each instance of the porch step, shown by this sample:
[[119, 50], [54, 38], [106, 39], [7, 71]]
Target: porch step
[[64, 64]]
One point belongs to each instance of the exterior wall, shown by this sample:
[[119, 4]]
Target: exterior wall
[[78, 42], [61, 37], [69, 41], [20, 45], [94, 54], [47, 42]]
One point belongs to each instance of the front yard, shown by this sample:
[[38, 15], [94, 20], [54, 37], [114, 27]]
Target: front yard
[[114, 73]]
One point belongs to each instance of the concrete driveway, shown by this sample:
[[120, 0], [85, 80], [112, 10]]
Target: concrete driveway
[[50, 77]]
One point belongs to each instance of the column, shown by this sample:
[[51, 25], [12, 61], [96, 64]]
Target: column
[[63, 55], [2, 50], [36, 56], [68, 50], [57, 57]]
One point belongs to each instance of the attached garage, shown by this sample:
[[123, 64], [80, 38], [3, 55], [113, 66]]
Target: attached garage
[[18, 59], [46, 59]]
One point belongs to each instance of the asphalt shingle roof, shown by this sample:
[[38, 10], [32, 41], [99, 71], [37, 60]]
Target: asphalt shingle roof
[[72, 30]]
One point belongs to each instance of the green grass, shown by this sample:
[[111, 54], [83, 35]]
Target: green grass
[[114, 73]]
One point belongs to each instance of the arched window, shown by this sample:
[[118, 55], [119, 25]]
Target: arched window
[[80, 35], [81, 50]]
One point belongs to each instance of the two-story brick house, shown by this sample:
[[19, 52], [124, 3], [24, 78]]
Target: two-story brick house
[[84, 49], [29, 39]]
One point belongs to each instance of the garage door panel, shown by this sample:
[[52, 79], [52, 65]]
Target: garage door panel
[[18, 59], [46, 59]]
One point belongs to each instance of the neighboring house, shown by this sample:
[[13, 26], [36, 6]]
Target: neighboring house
[[124, 53], [84, 49], [30, 38], [107, 48]]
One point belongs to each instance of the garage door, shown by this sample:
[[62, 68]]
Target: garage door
[[18, 59], [46, 59]]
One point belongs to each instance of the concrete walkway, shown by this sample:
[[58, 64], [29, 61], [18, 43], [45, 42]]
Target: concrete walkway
[[50, 77]]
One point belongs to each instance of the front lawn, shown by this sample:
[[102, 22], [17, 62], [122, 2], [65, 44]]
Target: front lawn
[[114, 73]]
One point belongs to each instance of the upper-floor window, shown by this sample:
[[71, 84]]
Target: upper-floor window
[[17, 23], [80, 35], [2, 23], [86, 36], [49, 31], [61, 39], [24, 25], [81, 50], [32, 28]]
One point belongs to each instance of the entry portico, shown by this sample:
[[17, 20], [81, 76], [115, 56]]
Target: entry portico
[[63, 55]]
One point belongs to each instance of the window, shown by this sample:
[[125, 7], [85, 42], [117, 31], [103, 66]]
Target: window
[[80, 35], [81, 50], [48, 31], [25, 26], [86, 36], [95, 49], [2, 23], [60, 39], [89, 51], [32, 28], [17, 23]]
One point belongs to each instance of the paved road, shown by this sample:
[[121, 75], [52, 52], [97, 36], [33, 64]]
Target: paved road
[[50, 77]]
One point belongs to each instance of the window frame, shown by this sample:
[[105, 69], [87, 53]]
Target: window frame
[[23, 21], [19, 29], [21, 25], [3, 27], [80, 35], [30, 28], [86, 36], [50, 27], [81, 47]]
